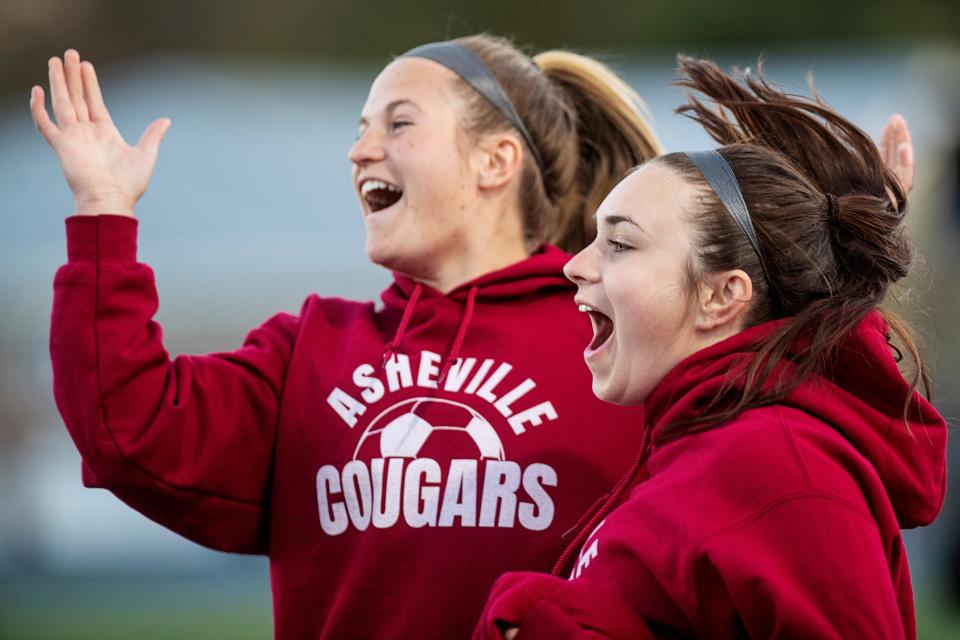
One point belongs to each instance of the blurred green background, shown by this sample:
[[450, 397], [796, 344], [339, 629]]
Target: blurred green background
[[251, 209], [372, 29]]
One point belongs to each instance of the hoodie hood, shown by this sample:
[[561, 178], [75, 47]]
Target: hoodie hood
[[862, 397]]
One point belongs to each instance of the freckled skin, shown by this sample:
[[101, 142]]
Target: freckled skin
[[446, 228]]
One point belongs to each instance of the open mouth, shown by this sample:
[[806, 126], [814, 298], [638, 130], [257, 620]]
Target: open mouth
[[602, 327], [379, 194]]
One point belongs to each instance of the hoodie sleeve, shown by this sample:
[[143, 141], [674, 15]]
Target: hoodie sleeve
[[808, 566], [187, 442], [545, 607]]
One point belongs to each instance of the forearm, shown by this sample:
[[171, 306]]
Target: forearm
[[172, 438]]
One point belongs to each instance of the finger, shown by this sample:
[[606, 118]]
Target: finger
[[906, 164], [899, 133], [91, 91], [903, 131], [40, 117], [71, 68], [900, 151], [893, 133], [153, 136], [59, 96], [887, 146]]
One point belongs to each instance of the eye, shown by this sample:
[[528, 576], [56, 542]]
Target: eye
[[399, 124], [618, 247]]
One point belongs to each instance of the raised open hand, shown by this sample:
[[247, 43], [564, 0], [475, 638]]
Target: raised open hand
[[896, 147], [105, 174]]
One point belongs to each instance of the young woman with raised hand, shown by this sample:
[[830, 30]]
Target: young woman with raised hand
[[391, 462], [737, 294]]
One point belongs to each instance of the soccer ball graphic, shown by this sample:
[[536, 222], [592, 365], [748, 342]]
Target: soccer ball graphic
[[417, 427]]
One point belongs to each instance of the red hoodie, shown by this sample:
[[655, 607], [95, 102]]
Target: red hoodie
[[784, 522], [392, 463]]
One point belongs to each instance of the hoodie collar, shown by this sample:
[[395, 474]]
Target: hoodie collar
[[540, 271], [861, 397]]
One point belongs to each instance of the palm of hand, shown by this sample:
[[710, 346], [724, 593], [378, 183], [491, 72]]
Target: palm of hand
[[103, 171], [97, 160]]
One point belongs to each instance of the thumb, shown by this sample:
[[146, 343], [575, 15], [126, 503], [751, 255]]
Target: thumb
[[153, 136]]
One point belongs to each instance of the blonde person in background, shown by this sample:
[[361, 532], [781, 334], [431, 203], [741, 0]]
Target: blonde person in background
[[391, 462]]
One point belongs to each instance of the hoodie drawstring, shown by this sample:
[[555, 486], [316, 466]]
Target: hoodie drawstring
[[394, 344], [391, 348], [461, 335], [602, 512]]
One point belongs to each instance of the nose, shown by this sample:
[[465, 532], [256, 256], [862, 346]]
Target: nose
[[368, 147], [582, 268]]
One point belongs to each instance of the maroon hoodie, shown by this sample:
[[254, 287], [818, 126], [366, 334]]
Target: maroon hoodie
[[784, 522], [391, 462]]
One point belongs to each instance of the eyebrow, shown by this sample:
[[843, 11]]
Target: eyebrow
[[391, 107], [614, 219]]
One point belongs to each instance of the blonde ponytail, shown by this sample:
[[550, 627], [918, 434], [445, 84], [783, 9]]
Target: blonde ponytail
[[588, 126], [614, 136]]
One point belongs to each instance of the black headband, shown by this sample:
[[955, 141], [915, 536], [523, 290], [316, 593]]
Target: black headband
[[472, 70], [722, 180]]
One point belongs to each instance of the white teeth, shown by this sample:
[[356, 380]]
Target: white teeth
[[585, 308], [370, 185]]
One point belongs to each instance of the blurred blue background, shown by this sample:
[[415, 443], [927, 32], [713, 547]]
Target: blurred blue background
[[251, 209]]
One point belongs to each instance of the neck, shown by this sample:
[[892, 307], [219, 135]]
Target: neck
[[488, 247], [471, 265]]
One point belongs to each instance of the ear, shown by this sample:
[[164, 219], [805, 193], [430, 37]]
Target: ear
[[500, 158], [723, 300]]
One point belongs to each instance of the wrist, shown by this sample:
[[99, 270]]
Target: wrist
[[96, 204]]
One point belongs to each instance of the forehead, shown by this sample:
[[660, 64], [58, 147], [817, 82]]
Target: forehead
[[654, 196], [415, 79]]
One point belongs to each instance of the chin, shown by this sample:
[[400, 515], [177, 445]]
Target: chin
[[374, 253], [391, 257], [379, 251], [603, 391], [618, 395]]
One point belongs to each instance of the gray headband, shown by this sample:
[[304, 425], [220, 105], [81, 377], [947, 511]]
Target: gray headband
[[718, 174], [472, 70]]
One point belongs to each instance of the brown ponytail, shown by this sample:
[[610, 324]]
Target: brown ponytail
[[587, 124], [829, 217]]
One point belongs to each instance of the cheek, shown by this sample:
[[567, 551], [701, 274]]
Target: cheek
[[651, 317], [443, 204], [652, 295], [434, 152], [437, 189]]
